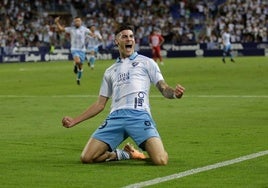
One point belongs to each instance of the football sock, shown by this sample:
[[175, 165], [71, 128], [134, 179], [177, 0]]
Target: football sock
[[122, 155], [92, 61], [79, 74]]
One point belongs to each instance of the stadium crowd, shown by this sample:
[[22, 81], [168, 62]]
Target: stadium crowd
[[31, 22]]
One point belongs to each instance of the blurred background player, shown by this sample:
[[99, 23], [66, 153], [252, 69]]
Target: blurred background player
[[226, 41], [93, 43], [155, 41], [78, 34]]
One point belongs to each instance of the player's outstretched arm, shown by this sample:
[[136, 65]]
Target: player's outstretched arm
[[92, 111], [59, 26], [170, 92]]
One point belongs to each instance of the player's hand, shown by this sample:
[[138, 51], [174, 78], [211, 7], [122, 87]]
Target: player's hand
[[67, 122], [57, 19], [178, 92]]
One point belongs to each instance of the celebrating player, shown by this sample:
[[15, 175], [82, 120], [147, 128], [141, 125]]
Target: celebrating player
[[226, 41], [93, 43], [127, 82], [78, 34]]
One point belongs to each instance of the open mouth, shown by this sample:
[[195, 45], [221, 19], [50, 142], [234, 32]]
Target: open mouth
[[128, 46]]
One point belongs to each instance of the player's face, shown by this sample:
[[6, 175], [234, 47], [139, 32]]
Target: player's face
[[77, 22], [92, 28], [126, 43]]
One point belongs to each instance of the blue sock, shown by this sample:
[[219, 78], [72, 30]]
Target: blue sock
[[92, 61], [79, 74]]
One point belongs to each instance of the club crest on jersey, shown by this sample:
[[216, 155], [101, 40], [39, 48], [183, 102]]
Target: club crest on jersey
[[123, 76], [135, 63]]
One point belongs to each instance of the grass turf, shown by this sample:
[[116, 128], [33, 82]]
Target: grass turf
[[222, 116]]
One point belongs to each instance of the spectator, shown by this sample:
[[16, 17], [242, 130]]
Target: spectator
[[182, 21]]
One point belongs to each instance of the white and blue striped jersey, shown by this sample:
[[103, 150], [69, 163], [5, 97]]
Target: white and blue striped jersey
[[78, 37], [94, 42], [226, 37], [128, 82]]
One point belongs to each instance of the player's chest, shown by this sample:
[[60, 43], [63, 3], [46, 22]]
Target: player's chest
[[127, 72], [78, 32]]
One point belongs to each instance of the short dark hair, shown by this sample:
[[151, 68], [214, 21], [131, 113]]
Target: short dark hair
[[91, 25], [123, 26]]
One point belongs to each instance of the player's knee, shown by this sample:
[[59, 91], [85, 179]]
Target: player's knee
[[161, 159], [85, 159]]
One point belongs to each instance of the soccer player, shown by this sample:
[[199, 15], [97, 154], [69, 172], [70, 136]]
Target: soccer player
[[155, 41], [127, 82], [226, 41], [78, 34], [93, 43]]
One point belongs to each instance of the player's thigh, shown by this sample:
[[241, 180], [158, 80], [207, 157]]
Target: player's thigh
[[158, 52], [92, 52], [76, 59], [78, 56], [155, 148], [140, 127], [94, 148], [156, 151]]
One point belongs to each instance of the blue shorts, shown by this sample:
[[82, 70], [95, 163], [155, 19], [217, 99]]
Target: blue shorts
[[93, 48], [124, 123], [227, 48], [80, 54]]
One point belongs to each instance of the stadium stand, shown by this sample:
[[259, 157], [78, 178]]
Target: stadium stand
[[31, 22]]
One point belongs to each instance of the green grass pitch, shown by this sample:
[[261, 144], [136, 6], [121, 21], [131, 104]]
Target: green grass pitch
[[223, 115]]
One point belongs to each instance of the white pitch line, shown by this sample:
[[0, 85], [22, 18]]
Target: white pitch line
[[197, 170], [230, 96]]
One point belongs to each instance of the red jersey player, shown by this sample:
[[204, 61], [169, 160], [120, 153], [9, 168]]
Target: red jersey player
[[155, 41]]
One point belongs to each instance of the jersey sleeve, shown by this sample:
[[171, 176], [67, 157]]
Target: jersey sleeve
[[154, 72], [67, 29], [99, 36], [106, 86]]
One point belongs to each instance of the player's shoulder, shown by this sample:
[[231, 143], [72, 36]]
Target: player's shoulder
[[83, 28], [111, 68], [142, 57], [145, 60]]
